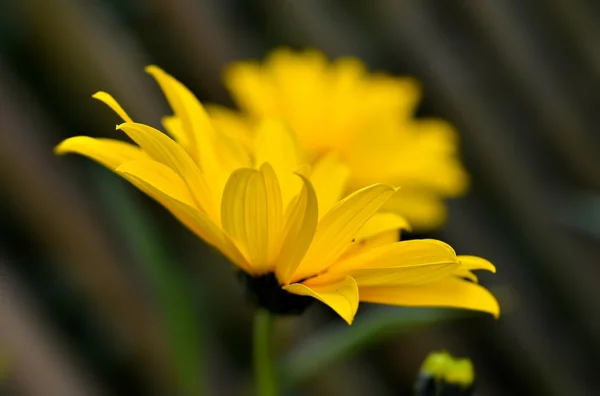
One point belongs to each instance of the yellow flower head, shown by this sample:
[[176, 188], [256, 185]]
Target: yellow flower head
[[366, 119], [279, 220]]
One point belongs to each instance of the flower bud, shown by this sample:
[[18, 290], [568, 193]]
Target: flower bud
[[444, 375]]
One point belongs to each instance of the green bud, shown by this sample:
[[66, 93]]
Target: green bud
[[444, 375]]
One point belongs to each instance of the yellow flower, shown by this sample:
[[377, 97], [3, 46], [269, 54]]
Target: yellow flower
[[366, 119], [443, 374], [279, 220]]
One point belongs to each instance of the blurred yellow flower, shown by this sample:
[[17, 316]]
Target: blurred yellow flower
[[280, 221], [366, 119], [443, 374]]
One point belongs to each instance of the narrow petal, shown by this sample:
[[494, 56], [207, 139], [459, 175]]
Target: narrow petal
[[476, 263], [301, 222], [167, 187], [329, 177], [341, 296], [405, 275], [165, 150], [174, 128], [381, 229], [108, 100], [161, 177], [452, 292], [382, 222], [196, 124], [274, 143], [337, 229], [109, 152], [411, 253]]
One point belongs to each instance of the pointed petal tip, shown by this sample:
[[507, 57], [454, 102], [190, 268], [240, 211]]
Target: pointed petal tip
[[151, 69], [476, 263]]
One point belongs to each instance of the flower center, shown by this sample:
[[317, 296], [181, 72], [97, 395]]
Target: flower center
[[265, 291]]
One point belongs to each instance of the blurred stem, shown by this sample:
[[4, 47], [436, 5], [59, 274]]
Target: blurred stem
[[264, 370]]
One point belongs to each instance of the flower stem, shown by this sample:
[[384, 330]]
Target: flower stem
[[264, 370]]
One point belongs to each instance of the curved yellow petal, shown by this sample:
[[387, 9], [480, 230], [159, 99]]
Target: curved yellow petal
[[405, 275], [233, 207], [252, 214], [415, 252], [341, 296], [109, 152], [476, 263], [161, 177], [339, 226], [108, 100], [163, 149], [382, 222], [452, 292], [300, 224], [329, 177], [167, 187], [274, 143], [174, 128], [197, 127]]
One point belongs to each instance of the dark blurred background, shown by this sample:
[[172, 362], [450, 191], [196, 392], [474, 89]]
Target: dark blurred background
[[103, 293]]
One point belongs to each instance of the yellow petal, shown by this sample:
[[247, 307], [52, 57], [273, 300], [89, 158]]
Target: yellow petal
[[462, 273], [174, 128], [381, 229], [231, 123], [197, 127], [172, 90], [109, 152], [163, 149], [341, 296], [329, 177], [300, 225], [160, 177], [108, 100], [452, 292], [275, 211], [339, 226], [251, 214], [381, 264], [233, 207], [251, 91], [382, 222], [405, 275], [274, 143], [167, 187], [399, 254], [476, 263]]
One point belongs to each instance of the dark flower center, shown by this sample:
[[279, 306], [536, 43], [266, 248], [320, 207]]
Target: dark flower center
[[266, 292]]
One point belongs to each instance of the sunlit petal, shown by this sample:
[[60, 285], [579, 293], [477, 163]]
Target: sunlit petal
[[341, 296]]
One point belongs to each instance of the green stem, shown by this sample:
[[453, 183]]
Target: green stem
[[264, 371]]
